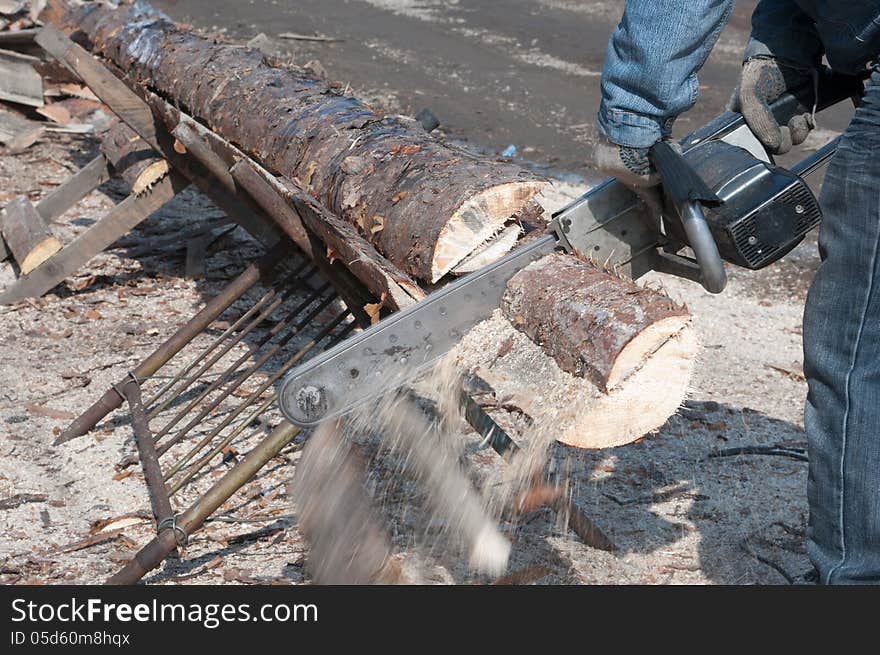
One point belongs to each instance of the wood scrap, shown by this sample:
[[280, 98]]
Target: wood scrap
[[27, 235], [19, 82]]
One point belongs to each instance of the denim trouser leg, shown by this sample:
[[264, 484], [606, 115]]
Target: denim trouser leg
[[842, 360]]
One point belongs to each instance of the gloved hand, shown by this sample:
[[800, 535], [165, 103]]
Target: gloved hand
[[631, 166], [762, 81]]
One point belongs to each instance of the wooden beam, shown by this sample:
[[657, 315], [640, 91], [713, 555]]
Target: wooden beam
[[121, 219], [74, 189], [124, 102]]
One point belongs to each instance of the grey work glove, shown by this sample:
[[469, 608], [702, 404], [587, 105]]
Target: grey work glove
[[762, 82], [632, 167], [629, 165]]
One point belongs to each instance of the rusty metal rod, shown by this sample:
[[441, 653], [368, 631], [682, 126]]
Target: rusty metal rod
[[208, 408], [253, 397], [229, 345], [155, 552], [230, 371], [159, 498], [266, 297], [112, 399]]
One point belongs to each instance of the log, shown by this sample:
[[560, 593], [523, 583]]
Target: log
[[612, 361], [423, 204], [26, 234], [592, 323], [132, 158]]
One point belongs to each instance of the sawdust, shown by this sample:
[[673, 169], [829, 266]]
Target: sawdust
[[423, 435]]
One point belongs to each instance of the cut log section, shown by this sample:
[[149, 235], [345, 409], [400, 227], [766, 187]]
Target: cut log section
[[423, 204], [132, 158], [26, 234], [609, 334], [593, 324]]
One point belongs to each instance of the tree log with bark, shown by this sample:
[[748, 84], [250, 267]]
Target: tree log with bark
[[592, 357], [424, 204]]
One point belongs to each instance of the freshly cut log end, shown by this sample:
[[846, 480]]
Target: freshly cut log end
[[40, 253], [592, 323], [477, 220], [27, 234], [526, 380]]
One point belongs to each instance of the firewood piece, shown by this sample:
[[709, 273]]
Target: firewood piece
[[582, 383], [27, 235], [423, 204], [132, 158], [592, 323], [18, 133]]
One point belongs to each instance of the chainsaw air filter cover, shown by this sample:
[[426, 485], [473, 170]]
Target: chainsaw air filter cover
[[766, 210]]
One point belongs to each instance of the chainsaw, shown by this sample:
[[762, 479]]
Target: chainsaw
[[723, 200]]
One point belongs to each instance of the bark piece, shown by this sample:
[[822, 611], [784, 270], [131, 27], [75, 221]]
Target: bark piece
[[18, 133], [435, 203], [592, 323], [27, 235]]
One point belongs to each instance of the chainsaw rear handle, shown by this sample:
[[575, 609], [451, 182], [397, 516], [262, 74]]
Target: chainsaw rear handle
[[686, 192]]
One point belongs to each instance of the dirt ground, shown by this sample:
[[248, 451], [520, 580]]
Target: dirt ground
[[677, 513]]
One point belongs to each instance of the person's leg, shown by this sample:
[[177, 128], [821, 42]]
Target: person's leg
[[842, 360]]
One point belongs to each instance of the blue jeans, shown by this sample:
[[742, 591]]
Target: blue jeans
[[842, 360], [650, 72]]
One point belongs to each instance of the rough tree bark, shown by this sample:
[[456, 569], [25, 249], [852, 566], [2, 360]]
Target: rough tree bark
[[423, 204]]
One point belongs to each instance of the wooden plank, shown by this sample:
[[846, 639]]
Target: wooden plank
[[19, 82], [18, 37], [125, 216], [74, 189], [110, 89]]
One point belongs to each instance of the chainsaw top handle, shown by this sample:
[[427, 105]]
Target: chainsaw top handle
[[686, 192]]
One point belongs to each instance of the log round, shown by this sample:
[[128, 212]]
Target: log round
[[606, 371], [132, 158], [422, 203]]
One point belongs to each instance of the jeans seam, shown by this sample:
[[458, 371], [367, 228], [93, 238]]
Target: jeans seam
[[857, 345]]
